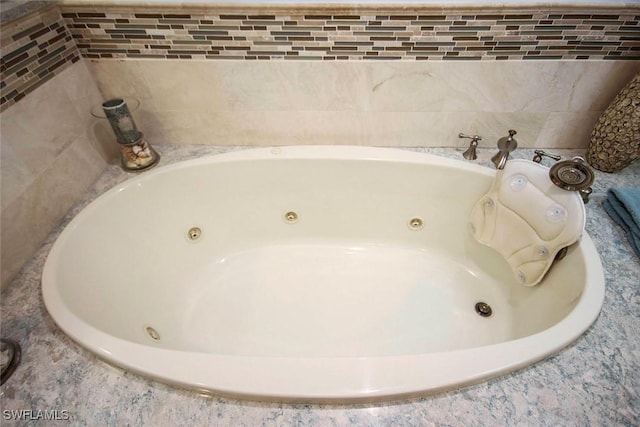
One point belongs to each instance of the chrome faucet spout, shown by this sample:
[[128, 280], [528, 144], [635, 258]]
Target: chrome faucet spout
[[506, 145], [500, 159]]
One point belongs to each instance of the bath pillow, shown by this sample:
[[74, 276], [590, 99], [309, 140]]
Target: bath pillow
[[527, 219]]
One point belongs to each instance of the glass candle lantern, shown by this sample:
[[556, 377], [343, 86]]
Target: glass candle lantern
[[136, 154], [121, 121]]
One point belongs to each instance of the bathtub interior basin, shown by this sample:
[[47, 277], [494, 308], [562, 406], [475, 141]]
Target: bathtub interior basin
[[308, 273]]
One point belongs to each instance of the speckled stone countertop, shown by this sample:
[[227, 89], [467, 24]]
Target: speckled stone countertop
[[595, 381]]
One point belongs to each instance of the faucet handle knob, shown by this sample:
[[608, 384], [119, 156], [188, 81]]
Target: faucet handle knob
[[508, 143], [541, 153], [474, 138]]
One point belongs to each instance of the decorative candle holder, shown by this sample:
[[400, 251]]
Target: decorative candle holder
[[136, 154], [121, 121]]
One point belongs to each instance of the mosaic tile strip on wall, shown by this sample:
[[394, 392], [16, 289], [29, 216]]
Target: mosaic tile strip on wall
[[34, 49], [552, 34]]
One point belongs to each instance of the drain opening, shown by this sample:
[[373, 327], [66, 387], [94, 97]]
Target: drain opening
[[152, 333], [484, 309]]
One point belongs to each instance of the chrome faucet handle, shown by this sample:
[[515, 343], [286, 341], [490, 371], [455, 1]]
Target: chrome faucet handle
[[471, 137], [470, 153], [539, 154]]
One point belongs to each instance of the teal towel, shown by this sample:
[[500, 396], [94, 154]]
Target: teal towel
[[623, 205]]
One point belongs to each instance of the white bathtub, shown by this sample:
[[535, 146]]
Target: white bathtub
[[318, 273]]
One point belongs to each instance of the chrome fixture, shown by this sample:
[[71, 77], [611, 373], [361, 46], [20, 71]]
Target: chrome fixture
[[573, 175], [11, 354], [539, 154], [585, 194], [194, 233], [470, 154], [153, 334], [483, 309], [506, 145], [570, 175], [290, 217], [416, 223], [561, 253]]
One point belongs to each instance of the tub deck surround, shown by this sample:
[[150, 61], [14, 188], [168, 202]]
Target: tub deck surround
[[592, 382], [354, 32]]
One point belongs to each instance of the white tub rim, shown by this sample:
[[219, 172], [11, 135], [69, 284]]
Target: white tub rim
[[336, 379]]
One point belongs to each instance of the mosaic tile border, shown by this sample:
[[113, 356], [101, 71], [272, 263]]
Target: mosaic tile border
[[366, 35], [34, 49], [41, 44]]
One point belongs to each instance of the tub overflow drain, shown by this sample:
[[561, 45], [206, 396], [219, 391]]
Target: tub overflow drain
[[483, 309]]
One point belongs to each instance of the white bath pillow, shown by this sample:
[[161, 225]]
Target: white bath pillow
[[527, 219]]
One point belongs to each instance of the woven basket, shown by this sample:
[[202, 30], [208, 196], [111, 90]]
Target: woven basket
[[615, 140]]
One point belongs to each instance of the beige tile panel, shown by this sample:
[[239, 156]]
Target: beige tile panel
[[567, 130], [512, 86], [256, 128], [38, 129], [385, 103], [382, 86], [48, 157], [266, 128], [29, 218]]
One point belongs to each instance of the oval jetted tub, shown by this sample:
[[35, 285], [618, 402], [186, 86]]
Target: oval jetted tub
[[308, 273]]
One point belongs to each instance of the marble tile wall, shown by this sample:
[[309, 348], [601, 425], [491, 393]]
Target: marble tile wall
[[293, 74], [49, 153], [404, 103]]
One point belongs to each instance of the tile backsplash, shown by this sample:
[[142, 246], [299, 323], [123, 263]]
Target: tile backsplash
[[37, 47], [331, 35], [33, 51]]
